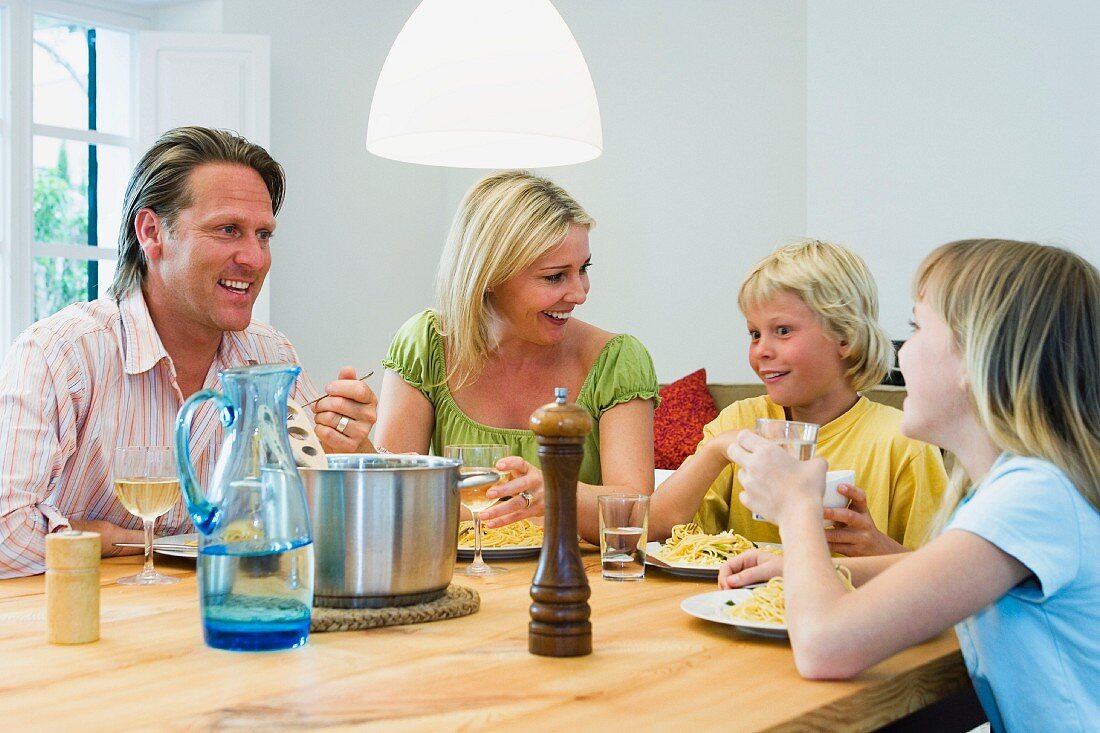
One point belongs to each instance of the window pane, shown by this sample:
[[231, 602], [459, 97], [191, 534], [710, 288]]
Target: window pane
[[112, 81], [65, 181], [60, 191], [59, 282], [60, 73], [114, 172], [78, 68]]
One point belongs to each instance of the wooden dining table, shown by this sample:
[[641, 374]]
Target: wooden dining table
[[653, 667]]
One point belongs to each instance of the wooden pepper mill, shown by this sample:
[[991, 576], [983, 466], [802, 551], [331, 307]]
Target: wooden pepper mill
[[559, 615]]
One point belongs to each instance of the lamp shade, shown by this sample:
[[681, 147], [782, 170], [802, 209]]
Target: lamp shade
[[485, 84]]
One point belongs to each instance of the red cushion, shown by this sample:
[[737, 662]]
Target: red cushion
[[686, 406]]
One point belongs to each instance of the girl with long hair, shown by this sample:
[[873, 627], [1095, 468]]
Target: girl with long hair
[[1003, 370]]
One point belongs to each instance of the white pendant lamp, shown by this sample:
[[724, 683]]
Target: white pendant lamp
[[485, 84]]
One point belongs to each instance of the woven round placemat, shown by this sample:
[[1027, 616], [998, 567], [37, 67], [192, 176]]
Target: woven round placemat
[[457, 601]]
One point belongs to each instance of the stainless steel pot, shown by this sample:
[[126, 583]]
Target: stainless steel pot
[[385, 528]]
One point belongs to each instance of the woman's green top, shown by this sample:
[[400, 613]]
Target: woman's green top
[[622, 372]]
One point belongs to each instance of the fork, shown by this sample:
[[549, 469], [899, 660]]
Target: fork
[[363, 378]]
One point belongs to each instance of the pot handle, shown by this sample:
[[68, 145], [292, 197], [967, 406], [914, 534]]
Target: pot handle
[[481, 478]]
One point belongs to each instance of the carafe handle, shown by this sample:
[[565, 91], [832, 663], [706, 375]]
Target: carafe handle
[[203, 513]]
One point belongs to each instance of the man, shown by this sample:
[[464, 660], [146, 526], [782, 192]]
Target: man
[[193, 253]]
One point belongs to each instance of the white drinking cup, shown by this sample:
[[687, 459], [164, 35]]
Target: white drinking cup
[[832, 498]]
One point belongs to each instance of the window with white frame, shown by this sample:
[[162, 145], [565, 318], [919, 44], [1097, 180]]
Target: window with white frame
[[68, 140], [71, 128], [82, 138]]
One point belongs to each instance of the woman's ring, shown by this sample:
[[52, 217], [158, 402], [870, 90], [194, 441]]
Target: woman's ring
[[342, 424], [527, 498]]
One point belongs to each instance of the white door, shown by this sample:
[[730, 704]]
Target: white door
[[214, 80]]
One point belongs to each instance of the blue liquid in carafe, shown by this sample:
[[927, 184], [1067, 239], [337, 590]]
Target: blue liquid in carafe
[[256, 601]]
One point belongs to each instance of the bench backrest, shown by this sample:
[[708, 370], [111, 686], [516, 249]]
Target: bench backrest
[[726, 394]]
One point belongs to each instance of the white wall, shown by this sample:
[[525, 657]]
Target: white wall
[[934, 121], [191, 16], [703, 111], [703, 108], [730, 126], [358, 237]]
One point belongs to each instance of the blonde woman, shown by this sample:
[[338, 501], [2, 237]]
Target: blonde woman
[[513, 272], [1002, 371], [811, 311]]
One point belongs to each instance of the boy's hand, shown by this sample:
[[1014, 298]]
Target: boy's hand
[[855, 534], [718, 446]]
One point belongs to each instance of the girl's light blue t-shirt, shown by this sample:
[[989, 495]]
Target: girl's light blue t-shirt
[[1034, 655]]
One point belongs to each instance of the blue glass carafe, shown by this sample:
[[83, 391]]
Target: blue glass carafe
[[255, 563]]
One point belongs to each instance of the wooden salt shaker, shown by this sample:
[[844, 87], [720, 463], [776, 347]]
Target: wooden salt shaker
[[72, 587], [559, 615]]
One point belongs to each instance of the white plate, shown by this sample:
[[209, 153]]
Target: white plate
[[177, 539], [683, 569], [712, 607], [688, 569], [500, 553]]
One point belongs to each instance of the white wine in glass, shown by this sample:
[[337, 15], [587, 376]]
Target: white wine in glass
[[474, 498], [478, 459], [146, 483]]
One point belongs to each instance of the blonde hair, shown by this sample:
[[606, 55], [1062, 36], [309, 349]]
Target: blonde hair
[[835, 284], [1026, 320], [505, 222]]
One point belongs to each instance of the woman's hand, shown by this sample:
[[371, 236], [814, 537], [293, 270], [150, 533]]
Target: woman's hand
[[775, 482], [343, 420], [514, 506], [855, 534], [752, 566]]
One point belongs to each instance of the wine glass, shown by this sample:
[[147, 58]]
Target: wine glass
[[476, 459], [146, 483]]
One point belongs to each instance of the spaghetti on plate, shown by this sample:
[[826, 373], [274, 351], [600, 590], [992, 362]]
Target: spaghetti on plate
[[689, 544], [523, 533], [766, 603]]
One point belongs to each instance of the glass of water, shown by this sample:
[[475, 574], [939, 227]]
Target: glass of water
[[624, 526], [799, 439]]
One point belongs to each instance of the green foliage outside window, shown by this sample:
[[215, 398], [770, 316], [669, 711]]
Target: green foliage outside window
[[60, 217]]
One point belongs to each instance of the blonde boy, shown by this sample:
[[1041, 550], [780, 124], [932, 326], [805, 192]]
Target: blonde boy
[[811, 310]]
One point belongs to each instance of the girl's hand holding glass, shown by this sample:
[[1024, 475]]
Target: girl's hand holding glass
[[773, 480]]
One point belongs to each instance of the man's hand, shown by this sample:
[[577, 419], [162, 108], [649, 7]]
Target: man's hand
[[109, 534], [345, 417], [855, 534]]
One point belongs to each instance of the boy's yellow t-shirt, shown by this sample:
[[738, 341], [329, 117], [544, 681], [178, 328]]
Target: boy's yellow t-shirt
[[904, 478]]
